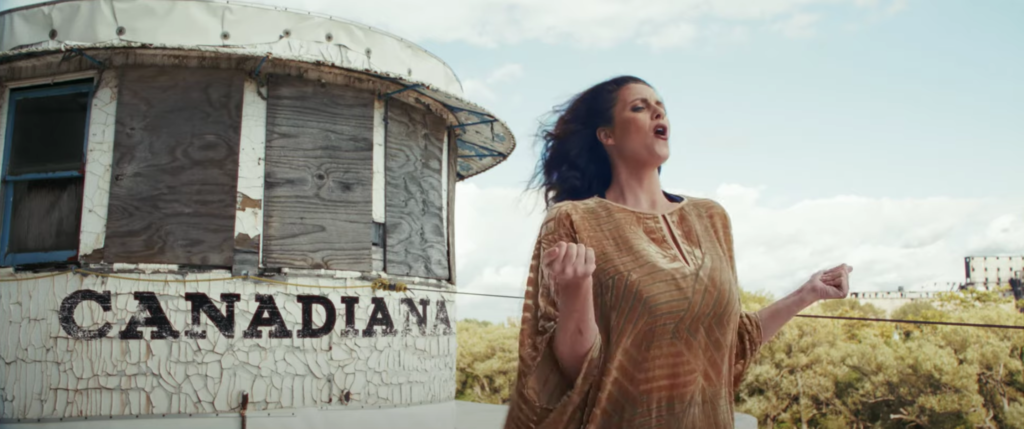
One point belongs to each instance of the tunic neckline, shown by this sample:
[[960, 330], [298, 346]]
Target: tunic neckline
[[678, 204]]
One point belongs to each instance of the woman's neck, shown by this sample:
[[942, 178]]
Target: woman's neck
[[639, 191]]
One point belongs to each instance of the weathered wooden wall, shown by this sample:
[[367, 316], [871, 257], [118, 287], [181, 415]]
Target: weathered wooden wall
[[318, 176], [416, 242], [173, 187]]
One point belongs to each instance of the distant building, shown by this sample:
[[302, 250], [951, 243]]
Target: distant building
[[983, 272], [992, 272], [889, 301]]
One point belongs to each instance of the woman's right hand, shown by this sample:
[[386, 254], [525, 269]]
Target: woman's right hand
[[571, 266]]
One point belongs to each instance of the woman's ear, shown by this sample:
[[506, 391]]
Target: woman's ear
[[604, 135]]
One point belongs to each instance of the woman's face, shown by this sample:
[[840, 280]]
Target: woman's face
[[638, 136]]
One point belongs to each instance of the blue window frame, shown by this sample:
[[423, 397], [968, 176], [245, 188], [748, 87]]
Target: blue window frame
[[43, 172]]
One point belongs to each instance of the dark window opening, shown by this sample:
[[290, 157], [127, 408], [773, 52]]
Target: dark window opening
[[43, 172], [378, 234]]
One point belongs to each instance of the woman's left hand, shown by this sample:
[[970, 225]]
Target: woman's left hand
[[831, 284]]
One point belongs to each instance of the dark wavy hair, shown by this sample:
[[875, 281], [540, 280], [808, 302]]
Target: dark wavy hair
[[573, 164]]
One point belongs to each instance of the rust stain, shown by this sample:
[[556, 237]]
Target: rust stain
[[244, 202], [244, 242]]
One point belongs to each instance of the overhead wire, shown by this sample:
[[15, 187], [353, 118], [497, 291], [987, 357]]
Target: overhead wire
[[384, 284]]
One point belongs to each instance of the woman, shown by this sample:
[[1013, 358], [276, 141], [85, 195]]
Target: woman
[[632, 316]]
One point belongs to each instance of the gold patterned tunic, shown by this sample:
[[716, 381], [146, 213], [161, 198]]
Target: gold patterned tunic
[[674, 341]]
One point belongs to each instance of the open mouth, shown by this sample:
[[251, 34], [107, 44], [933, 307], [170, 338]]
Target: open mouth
[[661, 132]]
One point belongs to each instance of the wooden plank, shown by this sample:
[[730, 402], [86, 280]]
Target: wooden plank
[[416, 242], [453, 174], [318, 176], [173, 187]]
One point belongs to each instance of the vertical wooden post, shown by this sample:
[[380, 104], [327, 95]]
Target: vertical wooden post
[[251, 171], [379, 183], [99, 157]]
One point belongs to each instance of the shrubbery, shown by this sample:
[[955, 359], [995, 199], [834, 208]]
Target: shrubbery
[[840, 374]]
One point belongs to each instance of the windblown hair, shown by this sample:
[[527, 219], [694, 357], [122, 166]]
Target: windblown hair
[[573, 164]]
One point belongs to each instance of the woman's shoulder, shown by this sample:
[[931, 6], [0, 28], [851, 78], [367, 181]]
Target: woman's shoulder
[[707, 205], [570, 208], [714, 213]]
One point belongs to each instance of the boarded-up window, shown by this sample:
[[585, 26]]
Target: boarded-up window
[[173, 187], [319, 178], [44, 156], [416, 242]]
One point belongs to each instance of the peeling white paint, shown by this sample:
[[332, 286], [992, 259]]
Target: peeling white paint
[[379, 137], [44, 373], [98, 164], [251, 170], [337, 274]]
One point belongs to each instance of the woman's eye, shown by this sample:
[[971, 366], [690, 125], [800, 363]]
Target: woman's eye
[[638, 108]]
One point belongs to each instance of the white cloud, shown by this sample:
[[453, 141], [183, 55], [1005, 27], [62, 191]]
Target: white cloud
[[896, 6], [588, 23], [890, 242], [798, 26], [481, 89], [671, 36], [495, 231], [506, 73], [477, 90]]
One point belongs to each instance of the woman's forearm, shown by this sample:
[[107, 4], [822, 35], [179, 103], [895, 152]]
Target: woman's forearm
[[576, 331], [782, 311]]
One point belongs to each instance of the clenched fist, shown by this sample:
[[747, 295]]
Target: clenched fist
[[571, 266], [831, 284]]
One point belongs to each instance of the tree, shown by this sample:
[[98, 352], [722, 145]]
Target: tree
[[487, 361], [822, 373]]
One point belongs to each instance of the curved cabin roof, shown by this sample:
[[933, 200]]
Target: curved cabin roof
[[253, 30]]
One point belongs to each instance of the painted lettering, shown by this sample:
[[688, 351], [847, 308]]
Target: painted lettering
[[67, 314], [379, 317], [149, 303], [151, 314], [266, 315], [225, 322], [441, 318], [421, 318], [308, 301], [350, 315]]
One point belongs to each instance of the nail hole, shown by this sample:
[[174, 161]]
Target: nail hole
[[121, 31], [287, 33], [53, 34], [330, 37]]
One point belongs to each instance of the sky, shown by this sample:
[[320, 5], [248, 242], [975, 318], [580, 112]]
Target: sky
[[886, 134]]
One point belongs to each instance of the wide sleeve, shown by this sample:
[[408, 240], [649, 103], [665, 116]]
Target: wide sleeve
[[543, 397], [748, 343], [748, 333]]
